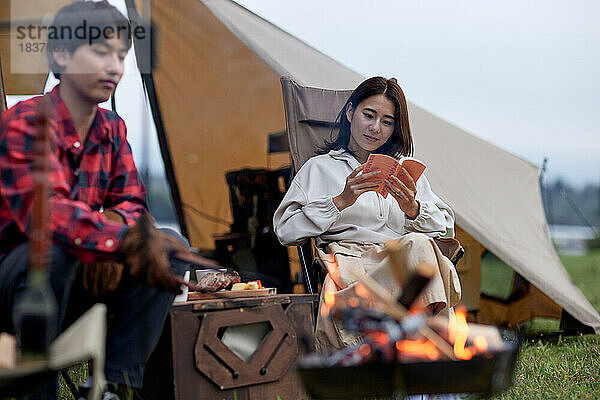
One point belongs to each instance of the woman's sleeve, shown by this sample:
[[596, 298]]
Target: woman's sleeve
[[297, 219], [435, 217]]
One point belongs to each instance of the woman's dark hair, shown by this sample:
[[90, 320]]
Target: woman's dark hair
[[85, 22], [400, 143]]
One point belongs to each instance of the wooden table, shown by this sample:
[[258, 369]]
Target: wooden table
[[192, 362]]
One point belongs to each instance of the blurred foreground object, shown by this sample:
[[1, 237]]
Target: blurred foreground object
[[35, 312], [84, 340], [401, 352], [8, 351]]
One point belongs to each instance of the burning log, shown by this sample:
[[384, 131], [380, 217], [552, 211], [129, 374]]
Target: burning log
[[398, 312], [415, 285], [405, 351], [395, 356], [380, 334], [482, 337]]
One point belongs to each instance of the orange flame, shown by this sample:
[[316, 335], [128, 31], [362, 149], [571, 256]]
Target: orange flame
[[328, 298], [354, 302], [361, 291], [324, 311], [480, 343], [365, 349], [332, 268], [459, 331], [380, 337], [418, 348]]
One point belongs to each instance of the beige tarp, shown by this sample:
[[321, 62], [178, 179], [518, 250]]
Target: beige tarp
[[219, 100], [218, 89]]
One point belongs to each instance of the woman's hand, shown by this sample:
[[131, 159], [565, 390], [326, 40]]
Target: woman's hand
[[404, 194], [355, 186]]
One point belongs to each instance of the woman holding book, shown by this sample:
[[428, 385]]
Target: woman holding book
[[333, 200]]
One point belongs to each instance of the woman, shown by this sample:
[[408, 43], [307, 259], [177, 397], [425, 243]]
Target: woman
[[331, 199]]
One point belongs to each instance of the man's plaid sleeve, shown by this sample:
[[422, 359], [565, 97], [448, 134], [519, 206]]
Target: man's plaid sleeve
[[76, 227], [126, 193]]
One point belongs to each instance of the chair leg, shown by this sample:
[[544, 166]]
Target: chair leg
[[307, 277], [70, 384]]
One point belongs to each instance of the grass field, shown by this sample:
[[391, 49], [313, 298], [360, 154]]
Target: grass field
[[558, 367], [549, 366]]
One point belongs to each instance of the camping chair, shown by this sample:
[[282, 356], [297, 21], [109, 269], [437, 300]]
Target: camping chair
[[84, 340], [310, 115]]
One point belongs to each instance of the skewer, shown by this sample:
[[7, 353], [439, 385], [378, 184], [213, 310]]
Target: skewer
[[146, 226], [397, 311], [197, 261]]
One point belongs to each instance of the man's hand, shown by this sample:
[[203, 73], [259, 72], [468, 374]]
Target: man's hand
[[102, 277], [114, 216], [146, 251]]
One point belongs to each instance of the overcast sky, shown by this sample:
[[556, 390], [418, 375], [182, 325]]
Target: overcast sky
[[524, 75]]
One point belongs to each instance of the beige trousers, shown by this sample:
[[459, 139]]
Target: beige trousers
[[354, 260]]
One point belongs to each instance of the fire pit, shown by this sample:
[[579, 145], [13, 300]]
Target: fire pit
[[403, 352], [488, 373]]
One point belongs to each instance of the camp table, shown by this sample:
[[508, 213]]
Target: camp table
[[193, 361]]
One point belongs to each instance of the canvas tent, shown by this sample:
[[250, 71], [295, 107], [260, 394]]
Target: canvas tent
[[216, 96]]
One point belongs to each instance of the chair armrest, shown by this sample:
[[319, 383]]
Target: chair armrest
[[450, 248]]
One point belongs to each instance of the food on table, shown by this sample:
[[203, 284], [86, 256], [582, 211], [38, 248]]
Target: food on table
[[215, 281], [238, 286], [234, 276], [252, 285]]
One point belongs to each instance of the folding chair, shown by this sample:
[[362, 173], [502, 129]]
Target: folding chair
[[310, 116], [84, 340]]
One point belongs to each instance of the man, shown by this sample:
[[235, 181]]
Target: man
[[96, 198]]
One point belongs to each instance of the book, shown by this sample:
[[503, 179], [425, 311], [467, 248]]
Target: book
[[390, 166]]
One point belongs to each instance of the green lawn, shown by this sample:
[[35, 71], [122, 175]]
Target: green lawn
[[564, 367]]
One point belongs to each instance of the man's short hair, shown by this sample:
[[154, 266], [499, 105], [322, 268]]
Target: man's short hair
[[85, 22]]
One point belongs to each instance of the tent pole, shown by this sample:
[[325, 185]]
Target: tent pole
[[148, 82]]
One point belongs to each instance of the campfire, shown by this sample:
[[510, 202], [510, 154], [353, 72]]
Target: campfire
[[402, 349]]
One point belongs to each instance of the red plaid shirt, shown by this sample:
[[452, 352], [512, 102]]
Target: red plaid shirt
[[105, 177]]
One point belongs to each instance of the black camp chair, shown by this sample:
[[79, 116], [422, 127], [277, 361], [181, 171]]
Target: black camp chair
[[310, 116]]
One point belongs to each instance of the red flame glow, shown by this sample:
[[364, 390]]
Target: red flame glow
[[418, 348], [365, 350], [380, 337], [332, 268], [480, 343], [458, 331], [361, 291], [329, 291]]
